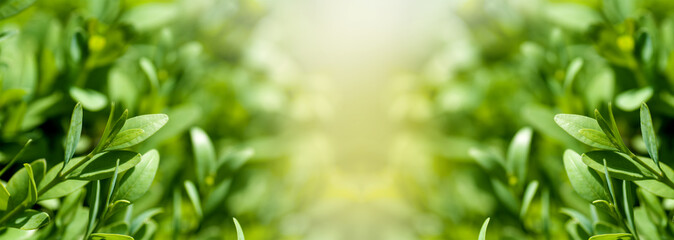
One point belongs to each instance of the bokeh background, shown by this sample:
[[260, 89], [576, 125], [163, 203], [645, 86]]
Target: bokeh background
[[342, 119]]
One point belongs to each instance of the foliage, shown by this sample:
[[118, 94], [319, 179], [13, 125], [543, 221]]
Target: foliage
[[178, 71], [522, 129]]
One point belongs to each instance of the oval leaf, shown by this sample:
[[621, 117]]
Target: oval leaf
[[74, 132], [573, 124], [585, 181], [123, 138], [148, 123], [90, 99], [29, 219], [648, 133], [139, 178]]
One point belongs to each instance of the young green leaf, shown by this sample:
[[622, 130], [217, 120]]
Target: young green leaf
[[585, 181], [138, 179], [4, 197], [32, 186], [74, 132], [483, 230], [102, 165], [612, 236], [124, 137], [204, 154], [148, 123], [648, 133], [628, 206], [109, 236], [610, 129], [118, 206], [529, 194], [619, 165], [91, 100], [239, 231], [518, 154], [94, 200], [193, 194], [29, 219], [573, 124]]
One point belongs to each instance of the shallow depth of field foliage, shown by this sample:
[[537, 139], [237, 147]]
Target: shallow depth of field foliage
[[556, 123], [157, 120]]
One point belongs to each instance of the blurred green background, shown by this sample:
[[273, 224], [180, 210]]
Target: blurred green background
[[343, 119]]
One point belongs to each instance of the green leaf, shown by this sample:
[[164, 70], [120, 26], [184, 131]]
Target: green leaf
[[102, 165], [655, 186], [630, 100], [605, 206], [109, 236], [573, 124], [483, 229], [91, 100], [628, 206], [116, 128], [239, 231], [204, 154], [148, 123], [619, 165], [150, 72], [74, 132], [146, 231], [142, 218], [585, 181], [611, 129], [32, 186], [9, 8], [94, 200], [648, 133], [518, 154], [138, 179], [612, 236], [118, 206], [597, 137], [583, 221], [29, 219], [193, 194], [653, 206], [59, 190], [4, 197], [572, 71], [529, 194], [124, 137]]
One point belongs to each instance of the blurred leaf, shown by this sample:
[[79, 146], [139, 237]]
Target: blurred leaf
[[239, 231], [630, 100], [91, 100], [204, 155], [585, 181], [193, 194], [573, 16], [150, 72], [583, 221], [529, 194], [518, 154], [9, 8], [142, 218], [29, 219]]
